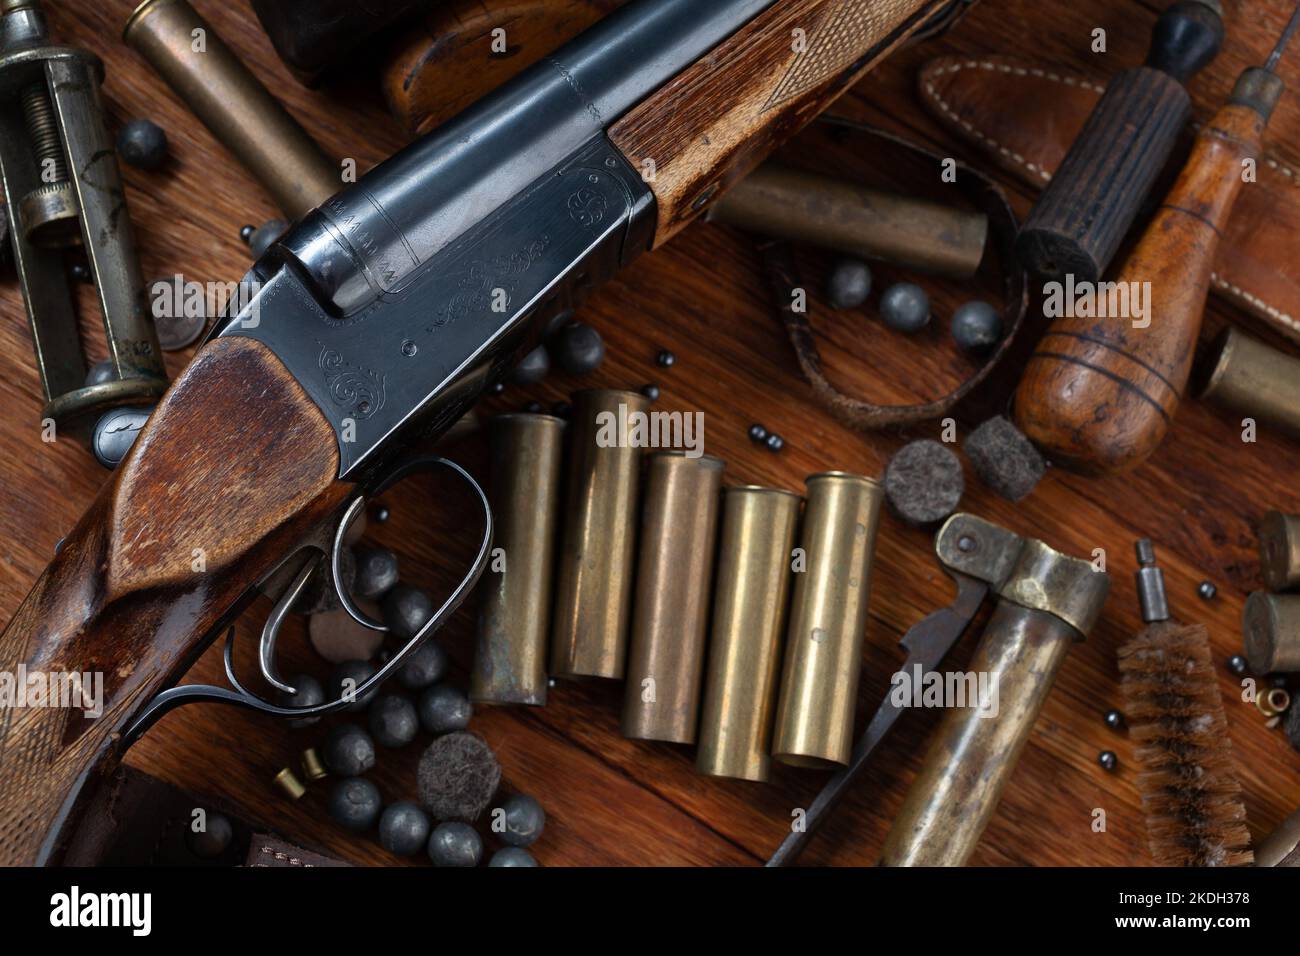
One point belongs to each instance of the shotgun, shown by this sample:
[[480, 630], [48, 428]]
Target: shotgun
[[375, 323]]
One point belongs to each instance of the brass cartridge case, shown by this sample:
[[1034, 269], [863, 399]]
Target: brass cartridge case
[[514, 618], [786, 203], [233, 104], [749, 606], [1270, 626], [1048, 602], [1255, 380], [670, 613], [828, 618], [1279, 551], [593, 590]]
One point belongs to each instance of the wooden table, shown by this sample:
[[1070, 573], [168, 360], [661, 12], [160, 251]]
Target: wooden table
[[614, 801]]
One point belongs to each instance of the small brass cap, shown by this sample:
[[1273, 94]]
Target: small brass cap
[[313, 768], [289, 784]]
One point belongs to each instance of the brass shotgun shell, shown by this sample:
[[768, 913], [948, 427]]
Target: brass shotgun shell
[[749, 606], [1255, 380], [593, 591], [828, 617], [1279, 551], [670, 613], [1048, 602], [233, 104], [1271, 632], [775, 200], [515, 615]]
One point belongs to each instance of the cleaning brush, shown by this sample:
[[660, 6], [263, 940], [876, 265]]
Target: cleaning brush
[[1190, 795]]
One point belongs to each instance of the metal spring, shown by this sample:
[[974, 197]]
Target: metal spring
[[44, 132]]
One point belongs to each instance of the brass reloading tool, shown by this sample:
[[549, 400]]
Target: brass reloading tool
[[1045, 602]]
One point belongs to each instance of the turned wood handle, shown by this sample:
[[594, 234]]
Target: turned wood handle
[[717, 119], [235, 466], [1081, 218], [1099, 393]]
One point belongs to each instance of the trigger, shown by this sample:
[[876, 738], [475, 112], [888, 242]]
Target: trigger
[[271, 631]]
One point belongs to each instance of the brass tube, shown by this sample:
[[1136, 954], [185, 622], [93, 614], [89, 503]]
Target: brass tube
[[1279, 551], [670, 615], [828, 618], [233, 104], [973, 755], [593, 592], [786, 203], [1255, 380], [1271, 632], [749, 606], [510, 660]]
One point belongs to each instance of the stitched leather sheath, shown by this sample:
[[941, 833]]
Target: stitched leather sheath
[[1024, 116]]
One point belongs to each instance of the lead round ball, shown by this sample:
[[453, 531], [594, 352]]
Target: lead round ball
[[354, 804], [905, 307], [455, 844]]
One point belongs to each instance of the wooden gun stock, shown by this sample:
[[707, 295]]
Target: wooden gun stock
[[234, 468], [721, 117]]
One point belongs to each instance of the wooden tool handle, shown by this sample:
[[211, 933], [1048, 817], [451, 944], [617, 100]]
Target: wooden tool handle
[[1081, 218], [234, 467], [716, 120], [1099, 392]]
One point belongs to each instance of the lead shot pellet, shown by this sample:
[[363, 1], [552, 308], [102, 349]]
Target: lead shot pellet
[[976, 326], [393, 721], [578, 349], [213, 838], [532, 368], [665, 359], [406, 610], [455, 844], [404, 828], [376, 572], [308, 692], [512, 856], [905, 307], [143, 144], [1108, 760], [523, 819], [849, 284], [444, 708], [757, 433], [348, 751], [427, 665], [355, 803], [1206, 590]]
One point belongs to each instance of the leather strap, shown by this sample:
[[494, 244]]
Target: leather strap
[[782, 277], [1024, 116]]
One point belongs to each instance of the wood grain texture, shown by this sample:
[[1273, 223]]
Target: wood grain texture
[[443, 62], [719, 118], [1100, 392], [611, 801], [235, 466]]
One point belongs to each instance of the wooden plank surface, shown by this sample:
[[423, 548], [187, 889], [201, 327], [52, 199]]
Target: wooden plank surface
[[613, 801]]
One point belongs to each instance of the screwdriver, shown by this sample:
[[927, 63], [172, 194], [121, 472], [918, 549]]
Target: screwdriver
[[1099, 392], [1078, 222]]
